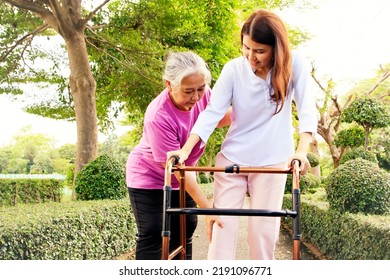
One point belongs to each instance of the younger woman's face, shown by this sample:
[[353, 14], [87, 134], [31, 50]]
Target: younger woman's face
[[190, 91], [259, 56]]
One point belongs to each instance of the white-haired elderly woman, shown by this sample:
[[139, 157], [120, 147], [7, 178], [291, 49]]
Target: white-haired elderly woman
[[168, 121]]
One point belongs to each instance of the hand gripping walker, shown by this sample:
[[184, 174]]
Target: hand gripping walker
[[182, 211]]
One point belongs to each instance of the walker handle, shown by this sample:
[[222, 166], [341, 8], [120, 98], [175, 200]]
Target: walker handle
[[175, 160], [294, 162]]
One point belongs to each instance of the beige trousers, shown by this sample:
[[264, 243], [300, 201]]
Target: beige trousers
[[266, 192]]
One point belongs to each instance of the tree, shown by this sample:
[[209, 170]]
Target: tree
[[146, 31], [112, 148], [126, 43], [331, 106], [32, 147], [68, 152], [67, 19], [31, 153], [350, 137], [369, 113], [381, 146], [128, 53], [5, 157]]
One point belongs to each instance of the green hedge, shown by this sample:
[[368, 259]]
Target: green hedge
[[88, 230], [15, 191], [342, 236]]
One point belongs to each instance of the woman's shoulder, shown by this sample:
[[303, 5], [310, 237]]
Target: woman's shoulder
[[234, 65], [297, 55], [299, 60], [158, 104], [238, 61]]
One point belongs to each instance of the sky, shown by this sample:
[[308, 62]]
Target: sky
[[350, 39]]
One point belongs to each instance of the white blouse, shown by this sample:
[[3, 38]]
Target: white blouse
[[258, 137]]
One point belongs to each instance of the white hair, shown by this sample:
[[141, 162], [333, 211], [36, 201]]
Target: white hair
[[183, 64]]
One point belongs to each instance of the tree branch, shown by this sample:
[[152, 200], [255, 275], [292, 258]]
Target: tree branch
[[37, 9], [26, 37], [103, 40], [31, 6], [384, 76], [384, 95], [313, 72], [336, 104], [91, 14], [124, 64]]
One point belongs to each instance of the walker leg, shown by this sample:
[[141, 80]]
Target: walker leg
[[183, 252], [296, 249], [166, 233], [296, 224]]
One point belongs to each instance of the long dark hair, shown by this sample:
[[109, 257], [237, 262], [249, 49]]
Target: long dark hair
[[265, 27]]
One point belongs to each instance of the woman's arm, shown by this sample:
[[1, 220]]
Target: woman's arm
[[194, 190], [226, 120], [186, 150], [305, 139]]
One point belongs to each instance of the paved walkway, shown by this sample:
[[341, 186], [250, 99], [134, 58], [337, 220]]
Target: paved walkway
[[284, 248]]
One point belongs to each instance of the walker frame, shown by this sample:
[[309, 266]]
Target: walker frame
[[171, 166]]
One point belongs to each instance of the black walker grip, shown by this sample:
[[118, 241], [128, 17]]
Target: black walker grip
[[176, 160], [299, 162], [232, 168]]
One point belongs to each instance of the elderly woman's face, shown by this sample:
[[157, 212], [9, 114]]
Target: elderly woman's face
[[190, 91]]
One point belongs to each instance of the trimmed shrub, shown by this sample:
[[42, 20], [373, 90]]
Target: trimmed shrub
[[313, 159], [102, 178], [359, 186], [350, 137], [205, 179], [308, 183], [359, 152]]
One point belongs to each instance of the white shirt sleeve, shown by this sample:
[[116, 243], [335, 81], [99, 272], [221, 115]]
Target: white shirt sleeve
[[219, 104], [303, 95]]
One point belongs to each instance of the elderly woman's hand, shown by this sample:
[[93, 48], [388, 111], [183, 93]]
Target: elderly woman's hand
[[210, 220], [181, 154]]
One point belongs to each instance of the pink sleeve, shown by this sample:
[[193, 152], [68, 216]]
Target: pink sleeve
[[162, 138]]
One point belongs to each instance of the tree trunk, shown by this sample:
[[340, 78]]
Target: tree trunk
[[65, 18], [314, 149], [83, 88], [366, 137]]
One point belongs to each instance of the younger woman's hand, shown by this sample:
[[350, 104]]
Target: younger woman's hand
[[304, 162]]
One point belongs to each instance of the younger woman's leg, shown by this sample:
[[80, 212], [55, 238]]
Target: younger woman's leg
[[266, 192], [229, 192]]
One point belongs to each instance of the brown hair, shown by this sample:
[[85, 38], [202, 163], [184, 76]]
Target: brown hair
[[265, 27]]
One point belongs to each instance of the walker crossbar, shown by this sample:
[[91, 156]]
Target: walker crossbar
[[232, 212], [183, 211]]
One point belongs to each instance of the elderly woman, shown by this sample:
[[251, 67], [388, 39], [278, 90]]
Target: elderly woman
[[168, 121]]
